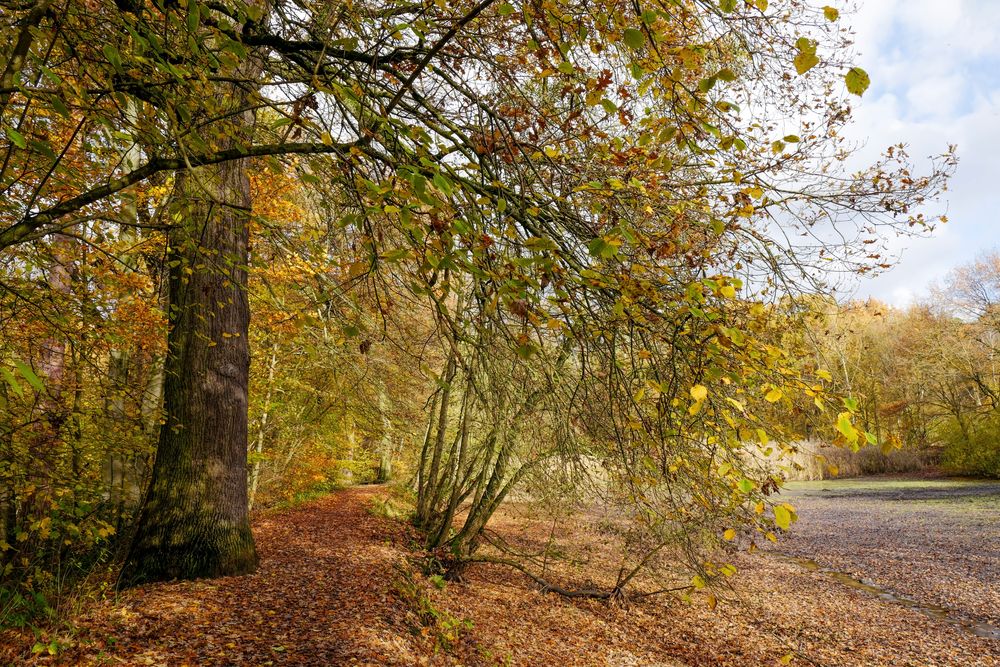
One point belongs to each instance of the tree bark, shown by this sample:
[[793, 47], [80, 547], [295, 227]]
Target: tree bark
[[194, 520]]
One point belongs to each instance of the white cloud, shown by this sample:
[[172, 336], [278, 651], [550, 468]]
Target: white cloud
[[935, 68]]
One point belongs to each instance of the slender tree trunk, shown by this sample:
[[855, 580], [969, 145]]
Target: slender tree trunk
[[258, 446], [386, 449], [347, 469], [425, 507]]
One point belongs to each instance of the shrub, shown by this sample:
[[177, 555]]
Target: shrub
[[974, 449]]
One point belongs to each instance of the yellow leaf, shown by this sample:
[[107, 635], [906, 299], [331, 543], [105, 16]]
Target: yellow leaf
[[782, 517], [774, 395], [729, 535], [699, 392], [728, 291]]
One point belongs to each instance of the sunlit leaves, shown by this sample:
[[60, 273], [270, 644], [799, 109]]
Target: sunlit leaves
[[857, 81], [11, 381], [783, 516], [806, 58], [847, 429], [831, 13]]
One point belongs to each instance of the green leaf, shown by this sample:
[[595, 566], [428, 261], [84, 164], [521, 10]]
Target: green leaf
[[566, 67], [746, 485], [111, 53], [16, 137], [727, 6], [254, 13], [59, 106], [831, 13], [526, 351], [598, 247], [805, 61], [442, 183], [419, 185], [12, 381], [857, 81], [805, 45], [846, 428], [634, 38], [727, 75], [193, 18], [506, 9], [29, 375]]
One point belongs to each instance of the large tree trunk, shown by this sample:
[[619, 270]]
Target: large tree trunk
[[194, 521]]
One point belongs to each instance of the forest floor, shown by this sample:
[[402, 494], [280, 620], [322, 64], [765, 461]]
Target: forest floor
[[933, 541], [337, 586]]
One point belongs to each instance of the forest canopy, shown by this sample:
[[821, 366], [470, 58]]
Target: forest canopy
[[553, 251]]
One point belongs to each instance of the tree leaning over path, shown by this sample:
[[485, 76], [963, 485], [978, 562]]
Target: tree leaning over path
[[607, 165]]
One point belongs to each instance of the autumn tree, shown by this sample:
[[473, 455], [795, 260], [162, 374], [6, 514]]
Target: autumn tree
[[616, 170]]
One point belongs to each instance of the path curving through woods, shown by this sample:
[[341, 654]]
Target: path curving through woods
[[323, 595]]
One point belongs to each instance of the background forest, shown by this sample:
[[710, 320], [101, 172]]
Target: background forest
[[572, 254]]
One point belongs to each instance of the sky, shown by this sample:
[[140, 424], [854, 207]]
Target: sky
[[935, 71]]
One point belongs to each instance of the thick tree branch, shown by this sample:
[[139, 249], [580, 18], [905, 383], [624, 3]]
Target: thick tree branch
[[32, 222]]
